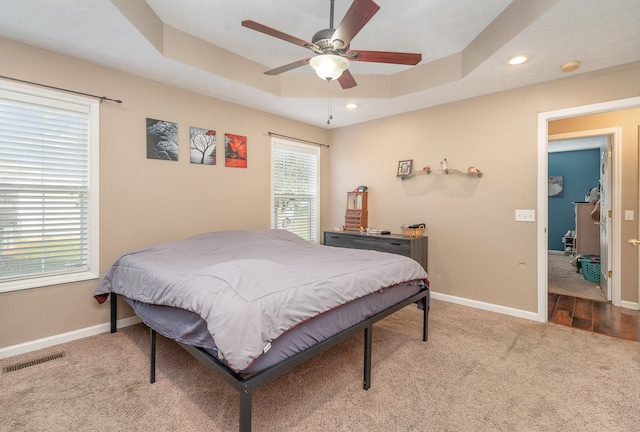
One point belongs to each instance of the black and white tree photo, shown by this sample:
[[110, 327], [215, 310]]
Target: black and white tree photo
[[203, 146]]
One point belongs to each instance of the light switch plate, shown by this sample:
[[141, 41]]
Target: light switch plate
[[628, 215], [525, 215]]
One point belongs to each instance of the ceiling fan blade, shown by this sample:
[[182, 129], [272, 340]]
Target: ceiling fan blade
[[346, 80], [356, 17], [277, 33], [288, 67], [387, 57]]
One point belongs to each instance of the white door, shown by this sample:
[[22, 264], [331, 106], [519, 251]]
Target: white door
[[605, 211]]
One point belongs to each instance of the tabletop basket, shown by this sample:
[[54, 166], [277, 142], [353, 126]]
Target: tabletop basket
[[413, 232]]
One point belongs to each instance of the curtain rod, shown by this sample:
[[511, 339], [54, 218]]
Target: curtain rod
[[298, 139], [102, 98]]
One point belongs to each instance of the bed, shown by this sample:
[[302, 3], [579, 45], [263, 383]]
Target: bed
[[251, 305]]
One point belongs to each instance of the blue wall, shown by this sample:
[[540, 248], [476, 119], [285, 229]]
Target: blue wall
[[580, 170]]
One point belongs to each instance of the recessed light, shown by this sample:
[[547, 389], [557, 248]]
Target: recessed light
[[351, 106], [518, 59], [570, 66]]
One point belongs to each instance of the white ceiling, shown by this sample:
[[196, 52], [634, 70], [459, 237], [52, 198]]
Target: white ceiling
[[587, 143], [600, 34]]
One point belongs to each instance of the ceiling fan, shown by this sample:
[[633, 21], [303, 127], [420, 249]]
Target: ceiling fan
[[331, 46]]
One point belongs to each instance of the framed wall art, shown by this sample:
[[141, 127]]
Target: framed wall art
[[202, 146], [235, 150], [162, 140], [556, 186], [405, 168]]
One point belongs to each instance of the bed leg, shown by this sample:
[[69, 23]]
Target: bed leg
[[114, 312], [425, 323], [245, 409], [152, 357], [368, 338]]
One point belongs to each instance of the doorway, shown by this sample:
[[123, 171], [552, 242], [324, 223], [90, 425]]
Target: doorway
[[578, 228], [614, 236]]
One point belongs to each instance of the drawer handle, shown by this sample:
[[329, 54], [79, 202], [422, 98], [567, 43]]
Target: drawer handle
[[396, 244]]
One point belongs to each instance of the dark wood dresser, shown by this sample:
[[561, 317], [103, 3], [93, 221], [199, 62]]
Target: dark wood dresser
[[413, 247]]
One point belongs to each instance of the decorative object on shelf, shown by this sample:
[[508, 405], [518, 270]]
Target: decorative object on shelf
[[356, 217], [414, 230], [468, 173], [445, 165], [360, 189], [405, 168], [556, 186], [473, 170], [426, 169]]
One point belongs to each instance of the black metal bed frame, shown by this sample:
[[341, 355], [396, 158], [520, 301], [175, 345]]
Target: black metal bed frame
[[246, 385]]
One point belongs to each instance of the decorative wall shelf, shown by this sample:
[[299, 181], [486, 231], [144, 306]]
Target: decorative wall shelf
[[468, 174], [445, 171]]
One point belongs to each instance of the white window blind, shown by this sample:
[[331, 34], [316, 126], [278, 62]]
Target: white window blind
[[45, 190], [295, 191]]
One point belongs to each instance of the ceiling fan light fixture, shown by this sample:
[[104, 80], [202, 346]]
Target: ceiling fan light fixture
[[329, 66]]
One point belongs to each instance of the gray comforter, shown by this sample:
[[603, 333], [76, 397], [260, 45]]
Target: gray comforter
[[252, 286]]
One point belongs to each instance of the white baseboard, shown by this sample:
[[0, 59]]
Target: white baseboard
[[106, 327], [37, 344], [630, 305], [533, 316]]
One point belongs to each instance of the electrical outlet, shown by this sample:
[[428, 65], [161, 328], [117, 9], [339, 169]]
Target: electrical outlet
[[525, 215]]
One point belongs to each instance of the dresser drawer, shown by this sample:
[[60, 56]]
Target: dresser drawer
[[412, 247], [339, 240], [398, 247]]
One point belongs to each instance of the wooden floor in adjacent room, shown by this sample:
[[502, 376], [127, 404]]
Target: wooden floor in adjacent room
[[594, 316]]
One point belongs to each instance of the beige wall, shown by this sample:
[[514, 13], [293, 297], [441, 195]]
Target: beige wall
[[476, 249], [145, 201], [628, 121]]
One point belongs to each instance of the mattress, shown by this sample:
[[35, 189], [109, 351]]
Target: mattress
[[189, 328]]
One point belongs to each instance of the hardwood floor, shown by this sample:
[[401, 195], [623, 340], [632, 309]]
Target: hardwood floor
[[594, 316]]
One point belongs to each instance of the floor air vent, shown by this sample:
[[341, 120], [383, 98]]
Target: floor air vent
[[19, 366]]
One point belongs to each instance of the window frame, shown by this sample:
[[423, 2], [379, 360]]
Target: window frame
[[307, 148], [52, 98]]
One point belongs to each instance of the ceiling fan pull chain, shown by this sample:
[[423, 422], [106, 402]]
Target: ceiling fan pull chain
[[330, 103]]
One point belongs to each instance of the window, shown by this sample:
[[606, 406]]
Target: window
[[295, 191], [48, 187]]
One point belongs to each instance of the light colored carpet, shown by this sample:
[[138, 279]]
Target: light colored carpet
[[564, 280], [480, 371]]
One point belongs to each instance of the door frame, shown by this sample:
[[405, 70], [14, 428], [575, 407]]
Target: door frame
[[614, 137], [543, 217]]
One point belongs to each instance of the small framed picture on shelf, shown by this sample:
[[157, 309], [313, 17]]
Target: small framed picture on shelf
[[405, 168]]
